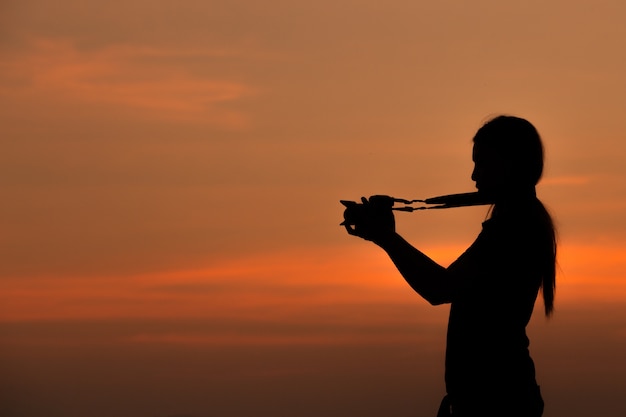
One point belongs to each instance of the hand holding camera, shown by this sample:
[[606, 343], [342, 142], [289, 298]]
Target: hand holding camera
[[372, 219]]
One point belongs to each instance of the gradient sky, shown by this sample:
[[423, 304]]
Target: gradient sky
[[170, 174]]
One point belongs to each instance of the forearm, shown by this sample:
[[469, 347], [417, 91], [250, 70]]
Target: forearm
[[425, 276]]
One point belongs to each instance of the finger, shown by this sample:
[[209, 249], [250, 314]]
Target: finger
[[350, 230]]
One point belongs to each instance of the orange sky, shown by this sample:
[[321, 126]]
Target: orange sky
[[171, 171]]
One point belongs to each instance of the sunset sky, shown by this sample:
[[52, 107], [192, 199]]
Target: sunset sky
[[171, 171]]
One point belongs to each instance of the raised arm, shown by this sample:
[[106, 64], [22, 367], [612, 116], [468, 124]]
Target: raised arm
[[425, 276], [373, 220]]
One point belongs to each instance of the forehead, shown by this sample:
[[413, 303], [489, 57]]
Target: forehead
[[482, 152]]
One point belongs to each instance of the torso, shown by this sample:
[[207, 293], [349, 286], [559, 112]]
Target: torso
[[498, 281]]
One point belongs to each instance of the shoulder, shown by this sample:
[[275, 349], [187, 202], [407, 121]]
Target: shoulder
[[516, 224]]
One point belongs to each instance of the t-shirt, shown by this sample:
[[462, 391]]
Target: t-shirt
[[495, 285]]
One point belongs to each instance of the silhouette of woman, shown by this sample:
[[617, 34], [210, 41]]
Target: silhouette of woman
[[493, 285]]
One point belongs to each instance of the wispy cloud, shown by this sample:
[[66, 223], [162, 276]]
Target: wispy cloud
[[254, 286], [291, 298], [153, 81], [322, 286]]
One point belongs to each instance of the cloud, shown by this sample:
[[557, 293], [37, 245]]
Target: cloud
[[154, 82], [329, 286], [294, 299]]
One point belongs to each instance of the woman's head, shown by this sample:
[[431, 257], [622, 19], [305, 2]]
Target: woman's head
[[508, 155], [508, 163]]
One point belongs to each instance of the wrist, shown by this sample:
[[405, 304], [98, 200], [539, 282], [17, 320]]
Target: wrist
[[386, 240]]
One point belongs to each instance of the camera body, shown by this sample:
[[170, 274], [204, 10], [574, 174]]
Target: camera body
[[359, 213]]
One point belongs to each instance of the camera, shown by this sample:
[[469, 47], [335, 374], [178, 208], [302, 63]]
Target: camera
[[358, 213]]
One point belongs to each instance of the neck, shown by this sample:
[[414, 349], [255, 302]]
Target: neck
[[517, 194], [514, 199]]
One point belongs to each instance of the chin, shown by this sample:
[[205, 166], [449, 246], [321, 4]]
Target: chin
[[482, 188], [487, 191]]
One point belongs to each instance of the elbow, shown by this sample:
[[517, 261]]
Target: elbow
[[435, 298], [437, 301], [434, 288]]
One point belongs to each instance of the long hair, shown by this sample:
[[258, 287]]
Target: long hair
[[518, 144]]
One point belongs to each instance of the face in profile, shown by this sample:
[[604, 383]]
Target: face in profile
[[490, 172], [508, 157]]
